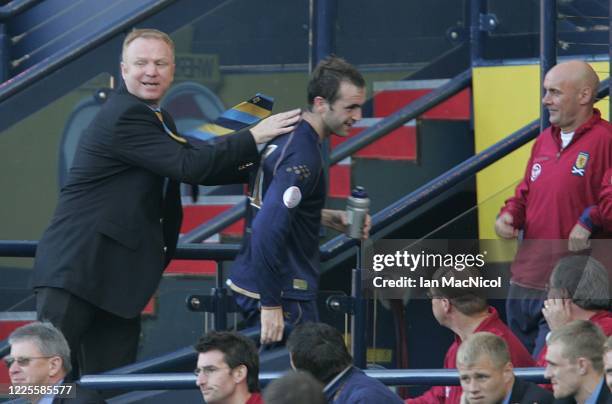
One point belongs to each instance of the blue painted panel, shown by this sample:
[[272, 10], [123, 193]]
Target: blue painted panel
[[256, 32]]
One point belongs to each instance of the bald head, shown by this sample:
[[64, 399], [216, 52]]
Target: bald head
[[571, 91], [579, 74]]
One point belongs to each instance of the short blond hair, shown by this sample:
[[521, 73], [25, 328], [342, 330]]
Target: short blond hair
[[484, 344], [147, 33], [580, 338]]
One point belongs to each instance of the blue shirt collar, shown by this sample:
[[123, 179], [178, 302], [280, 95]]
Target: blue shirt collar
[[506, 399], [592, 399], [48, 398]]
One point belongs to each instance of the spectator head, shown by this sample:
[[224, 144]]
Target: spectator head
[[39, 355], [319, 349], [574, 359], [295, 388], [485, 369], [608, 361], [582, 279], [228, 367], [571, 91], [446, 299]]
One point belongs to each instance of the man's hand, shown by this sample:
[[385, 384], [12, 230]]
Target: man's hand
[[337, 220], [272, 324], [557, 312], [275, 125], [579, 238], [504, 228]]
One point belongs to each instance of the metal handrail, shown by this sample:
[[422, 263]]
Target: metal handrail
[[212, 251], [390, 377], [16, 7], [59, 60], [18, 248], [349, 147]]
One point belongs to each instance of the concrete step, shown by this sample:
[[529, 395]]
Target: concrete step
[[194, 215], [390, 96], [401, 144], [340, 179]]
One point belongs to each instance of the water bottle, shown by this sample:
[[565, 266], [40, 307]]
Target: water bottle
[[357, 207]]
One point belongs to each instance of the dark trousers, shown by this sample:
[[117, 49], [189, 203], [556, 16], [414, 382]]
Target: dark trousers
[[525, 319], [294, 312], [99, 341]]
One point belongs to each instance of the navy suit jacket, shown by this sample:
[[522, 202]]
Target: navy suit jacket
[[81, 396], [604, 397], [529, 393], [115, 228]]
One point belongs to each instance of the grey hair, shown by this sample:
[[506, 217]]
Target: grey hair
[[49, 340]]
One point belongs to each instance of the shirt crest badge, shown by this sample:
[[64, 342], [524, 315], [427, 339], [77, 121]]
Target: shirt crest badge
[[302, 171], [536, 170], [581, 163]]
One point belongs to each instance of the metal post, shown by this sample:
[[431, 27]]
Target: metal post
[[4, 53], [477, 35], [548, 49], [358, 325], [220, 300], [321, 41], [321, 35]]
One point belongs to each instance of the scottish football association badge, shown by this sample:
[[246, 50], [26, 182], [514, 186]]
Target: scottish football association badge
[[580, 164]]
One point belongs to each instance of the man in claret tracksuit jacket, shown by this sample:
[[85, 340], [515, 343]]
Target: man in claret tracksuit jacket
[[465, 311], [562, 196], [275, 276]]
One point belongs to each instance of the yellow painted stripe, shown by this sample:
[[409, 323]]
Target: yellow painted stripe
[[215, 129], [252, 109]]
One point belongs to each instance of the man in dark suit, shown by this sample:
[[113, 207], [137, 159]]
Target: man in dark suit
[[118, 217], [487, 376], [39, 364], [574, 363]]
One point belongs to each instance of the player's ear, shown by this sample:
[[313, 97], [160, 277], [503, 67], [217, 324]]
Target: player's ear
[[319, 104]]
